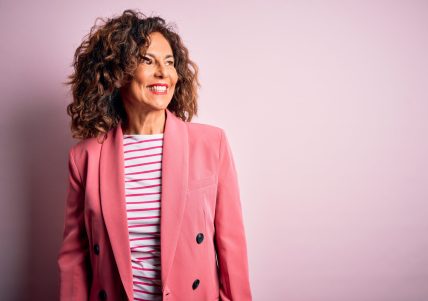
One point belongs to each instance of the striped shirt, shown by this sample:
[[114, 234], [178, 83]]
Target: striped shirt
[[143, 173]]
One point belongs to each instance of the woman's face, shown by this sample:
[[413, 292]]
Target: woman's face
[[153, 85]]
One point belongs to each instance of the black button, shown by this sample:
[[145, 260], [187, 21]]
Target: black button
[[195, 284], [199, 238], [97, 249], [102, 294]]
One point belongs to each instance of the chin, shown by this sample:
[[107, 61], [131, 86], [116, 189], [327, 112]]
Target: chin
[[161, 106]]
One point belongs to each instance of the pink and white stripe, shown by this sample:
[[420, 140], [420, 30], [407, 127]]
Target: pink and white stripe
[[143, 174]]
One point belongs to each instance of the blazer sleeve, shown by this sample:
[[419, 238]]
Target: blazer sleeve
[[73, 256], [230, 237]]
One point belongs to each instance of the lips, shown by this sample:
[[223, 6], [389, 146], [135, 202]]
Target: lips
[[158, 84], [158, 88]]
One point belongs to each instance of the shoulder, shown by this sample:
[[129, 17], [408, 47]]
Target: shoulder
[[207, 140], [206, 132], [87, 144], [85, 148], [203, 129]]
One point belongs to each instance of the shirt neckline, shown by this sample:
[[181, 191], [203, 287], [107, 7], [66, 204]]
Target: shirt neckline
[[138, 135]]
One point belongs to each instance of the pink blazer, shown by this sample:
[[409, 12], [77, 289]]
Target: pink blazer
[[200, 194]]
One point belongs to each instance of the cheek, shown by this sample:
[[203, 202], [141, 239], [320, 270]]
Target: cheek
[[135, 88], [174, 77], [142, 75]]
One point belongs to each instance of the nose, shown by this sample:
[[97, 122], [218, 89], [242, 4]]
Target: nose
[[160, 70]]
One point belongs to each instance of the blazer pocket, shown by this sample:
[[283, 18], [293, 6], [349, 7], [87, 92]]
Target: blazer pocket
[[195, 184]]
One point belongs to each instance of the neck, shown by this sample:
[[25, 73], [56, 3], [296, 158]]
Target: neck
[[146, 123]]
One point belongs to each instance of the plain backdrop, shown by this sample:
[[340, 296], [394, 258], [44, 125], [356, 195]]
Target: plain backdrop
[[325, 104]]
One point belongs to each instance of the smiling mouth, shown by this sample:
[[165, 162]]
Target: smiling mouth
[[158, 89]]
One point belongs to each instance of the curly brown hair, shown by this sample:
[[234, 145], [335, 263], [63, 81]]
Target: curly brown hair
[[106, 61]]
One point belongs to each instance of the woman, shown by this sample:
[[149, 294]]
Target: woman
[[153, 207]]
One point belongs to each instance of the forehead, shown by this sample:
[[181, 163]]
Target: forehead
[[159, 45]]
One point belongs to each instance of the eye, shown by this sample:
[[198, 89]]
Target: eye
[[147, 60], [171, 62]]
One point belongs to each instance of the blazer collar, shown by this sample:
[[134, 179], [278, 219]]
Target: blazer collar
[[174, 185]]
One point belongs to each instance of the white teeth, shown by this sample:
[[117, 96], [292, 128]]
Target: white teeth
[[158, 88]]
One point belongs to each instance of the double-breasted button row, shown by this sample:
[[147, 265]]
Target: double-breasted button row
[[199, 239], [102, 295], [97, 249]]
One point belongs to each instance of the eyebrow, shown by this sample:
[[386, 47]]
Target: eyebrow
[[166, 56]]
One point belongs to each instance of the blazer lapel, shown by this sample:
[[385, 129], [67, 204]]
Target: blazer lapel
[[174, 186], [175, 171]]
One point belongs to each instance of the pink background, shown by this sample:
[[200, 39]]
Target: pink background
[[325, 104]]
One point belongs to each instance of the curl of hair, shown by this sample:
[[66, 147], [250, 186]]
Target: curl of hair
[[106, 60]]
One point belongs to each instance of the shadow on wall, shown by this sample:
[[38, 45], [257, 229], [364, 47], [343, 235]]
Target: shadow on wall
[[44, 144]]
